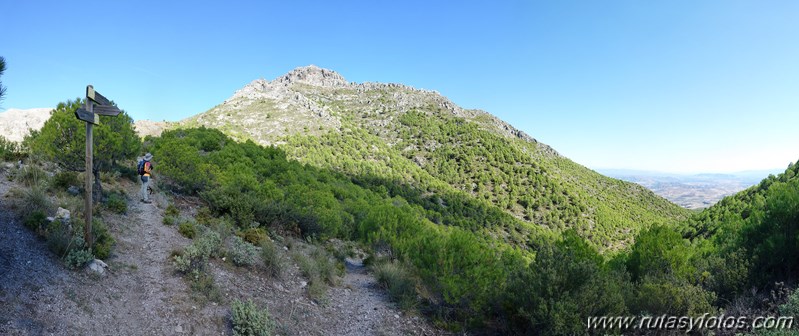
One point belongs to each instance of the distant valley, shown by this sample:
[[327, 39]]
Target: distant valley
[[692, 191]]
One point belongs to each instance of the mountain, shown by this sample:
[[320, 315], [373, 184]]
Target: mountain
[[691, 191], [15, 124], [426, 145]]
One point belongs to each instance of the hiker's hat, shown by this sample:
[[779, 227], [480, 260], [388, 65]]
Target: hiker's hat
[[148, 157]]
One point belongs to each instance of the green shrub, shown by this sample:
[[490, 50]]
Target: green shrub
[[32, 176], [204, 216], [254, 235], [103, 241], [171, 211], [317, 290], [35, 199], [59, 238], [203, 283], [65, 179], [170, 220], [271, 257], [187, 229], [35, 220], [9, 150], [307, 267], [672, 297], [241, 252], [195, 255], [248, 320], [327, 266], [791, 308], [209, 244], [191, 259], [117, 203], [399, 283], [310, 269], [77, 258], [111, 177], [320, 270]]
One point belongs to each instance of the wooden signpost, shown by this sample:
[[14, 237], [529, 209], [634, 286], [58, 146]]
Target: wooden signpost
[[94, 106]]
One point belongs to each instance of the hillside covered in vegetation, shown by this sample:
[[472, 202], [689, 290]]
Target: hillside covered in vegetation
[[466, 220], [418, 142], [458, 270]]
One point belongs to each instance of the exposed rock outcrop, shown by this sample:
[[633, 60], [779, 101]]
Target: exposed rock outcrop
[[15, 124]]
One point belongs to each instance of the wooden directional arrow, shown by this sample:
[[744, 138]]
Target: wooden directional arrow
[[106, 110], [97, 97], [87, 116]]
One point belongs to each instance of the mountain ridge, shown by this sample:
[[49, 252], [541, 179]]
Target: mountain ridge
[[314, 76], [422, 139]]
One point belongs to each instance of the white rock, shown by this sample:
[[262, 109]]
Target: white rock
[[62, 214], [179, 329], [97, 267], [303, 284], [100, 262]]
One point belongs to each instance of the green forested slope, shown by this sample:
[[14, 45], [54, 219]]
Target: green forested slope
[[475, 266], [448, 157]]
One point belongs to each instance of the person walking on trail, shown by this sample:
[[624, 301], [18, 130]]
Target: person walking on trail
[[145, 169]]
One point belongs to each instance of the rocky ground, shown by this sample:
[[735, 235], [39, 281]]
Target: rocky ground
[[141, 294]]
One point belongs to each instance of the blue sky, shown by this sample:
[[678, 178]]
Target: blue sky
[[679, 86]]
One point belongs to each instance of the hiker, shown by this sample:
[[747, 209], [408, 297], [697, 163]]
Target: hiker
[[145, 169]]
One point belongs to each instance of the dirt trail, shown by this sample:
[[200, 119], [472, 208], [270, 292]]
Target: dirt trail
[[142, 295], [139, 295]]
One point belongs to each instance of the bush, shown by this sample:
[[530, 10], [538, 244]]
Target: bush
[[209, 244], [317, 290], [307, 267], [64, 180], [117, 203], [59, 238], [35, 199], [9, 150], [170, 220], [188, 229], [399, 283], [32, 176], [195, 255], [203, 283], [241, 252], [320, 269], [791, 308], [77, 258], [171, 211], [672, 297], [191, 259], [103, 241], [204, 216], [254, 235], [35, 220], [248, 320], [327, 266], [271, 257]]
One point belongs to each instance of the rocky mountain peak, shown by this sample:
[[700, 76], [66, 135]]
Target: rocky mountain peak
[[15, 124], [313, 75]]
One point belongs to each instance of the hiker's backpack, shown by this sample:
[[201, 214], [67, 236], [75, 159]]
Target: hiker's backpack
[[140, 168]]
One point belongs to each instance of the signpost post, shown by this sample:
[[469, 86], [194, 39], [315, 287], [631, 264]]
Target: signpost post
[[94, 106]]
